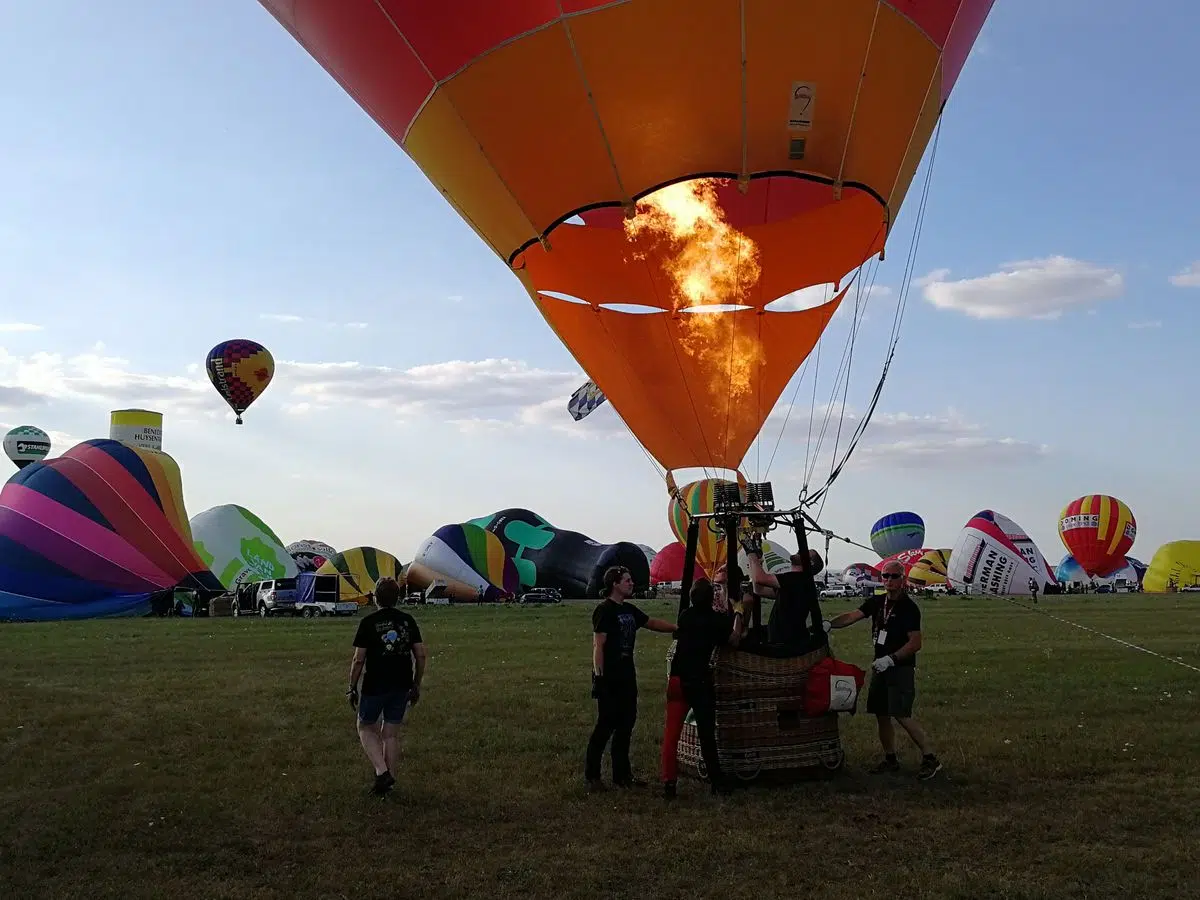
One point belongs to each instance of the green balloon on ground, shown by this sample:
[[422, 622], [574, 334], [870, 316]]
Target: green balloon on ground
[[239, 547]]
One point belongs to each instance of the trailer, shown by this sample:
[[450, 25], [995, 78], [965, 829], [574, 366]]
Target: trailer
[[318, 595]]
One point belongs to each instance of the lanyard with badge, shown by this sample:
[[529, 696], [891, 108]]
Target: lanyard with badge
[[881, 638]]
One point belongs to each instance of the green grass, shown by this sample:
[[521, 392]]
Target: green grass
[[217, 758]]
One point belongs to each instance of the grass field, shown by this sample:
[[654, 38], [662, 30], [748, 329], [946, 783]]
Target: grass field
[[217, 758]]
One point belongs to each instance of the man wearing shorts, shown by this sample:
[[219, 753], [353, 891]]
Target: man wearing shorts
[[387, 644], [896, 637]]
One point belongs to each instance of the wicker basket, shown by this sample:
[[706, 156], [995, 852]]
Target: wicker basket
[[761, 725]]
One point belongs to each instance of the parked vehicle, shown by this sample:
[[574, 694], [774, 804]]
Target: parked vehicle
[[838, 590], [276, 596], [317, 595], [541, 595]]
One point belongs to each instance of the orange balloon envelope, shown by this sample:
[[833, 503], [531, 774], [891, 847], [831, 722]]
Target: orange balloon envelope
[[570, 134], [1098, 531]]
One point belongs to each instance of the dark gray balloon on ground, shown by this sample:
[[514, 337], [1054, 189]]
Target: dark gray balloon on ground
[[549, 557]]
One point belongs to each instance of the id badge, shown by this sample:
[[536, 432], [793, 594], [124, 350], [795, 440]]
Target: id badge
[[882, 637]]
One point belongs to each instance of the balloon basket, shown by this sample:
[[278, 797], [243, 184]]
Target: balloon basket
[[763, 733]]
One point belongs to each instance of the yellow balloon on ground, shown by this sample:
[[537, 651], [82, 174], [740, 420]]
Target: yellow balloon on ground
[[930, 568], [360, 568], [1175, 565]]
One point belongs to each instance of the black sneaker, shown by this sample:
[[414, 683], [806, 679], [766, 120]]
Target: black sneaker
[[383, 784], [887, 764], [595, 786], [669, 791], [930, 766]]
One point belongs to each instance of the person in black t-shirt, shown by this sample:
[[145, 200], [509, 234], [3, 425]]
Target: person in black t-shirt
[[796, 600], [387, 644], [701, 630], [615, 624], [896, 637]]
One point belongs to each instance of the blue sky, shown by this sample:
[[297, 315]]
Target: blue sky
[[176, 174]]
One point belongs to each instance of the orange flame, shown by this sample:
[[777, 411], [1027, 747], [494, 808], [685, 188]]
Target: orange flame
[[710, 263]]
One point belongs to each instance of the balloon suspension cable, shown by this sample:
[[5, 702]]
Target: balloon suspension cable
[[906, 283]]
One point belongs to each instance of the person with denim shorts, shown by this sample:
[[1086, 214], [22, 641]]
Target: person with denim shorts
[[387, 648]]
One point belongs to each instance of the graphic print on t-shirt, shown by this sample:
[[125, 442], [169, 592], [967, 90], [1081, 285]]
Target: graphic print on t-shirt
[[393, 639], [628, 631]]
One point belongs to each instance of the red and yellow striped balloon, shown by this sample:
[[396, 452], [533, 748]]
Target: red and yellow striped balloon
[[1098, 530]]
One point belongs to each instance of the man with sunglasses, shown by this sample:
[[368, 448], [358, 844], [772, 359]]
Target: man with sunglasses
[[896, 636]]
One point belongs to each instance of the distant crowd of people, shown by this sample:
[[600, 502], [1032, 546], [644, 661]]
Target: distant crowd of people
[[390, 658]]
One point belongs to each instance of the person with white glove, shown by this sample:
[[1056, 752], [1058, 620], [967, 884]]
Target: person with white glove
[[896, 637]]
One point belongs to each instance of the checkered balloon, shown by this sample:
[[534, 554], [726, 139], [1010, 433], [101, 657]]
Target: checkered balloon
[[585, 399], [240, 370]]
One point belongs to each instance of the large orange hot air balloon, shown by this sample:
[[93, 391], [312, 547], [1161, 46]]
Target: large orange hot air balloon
[[671, 154], [1099, 531]]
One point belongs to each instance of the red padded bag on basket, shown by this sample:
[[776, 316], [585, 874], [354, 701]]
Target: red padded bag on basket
[[833, 687]]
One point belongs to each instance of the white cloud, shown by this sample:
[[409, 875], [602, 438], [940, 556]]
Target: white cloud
[[13, 327], [1153, 323], [292, 319], [90, 377], [456, 390], [1188, 277], [900, 440], [489, 397], [15, 397], [1029, 289]]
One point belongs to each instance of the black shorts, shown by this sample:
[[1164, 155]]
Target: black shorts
[[893, 692]]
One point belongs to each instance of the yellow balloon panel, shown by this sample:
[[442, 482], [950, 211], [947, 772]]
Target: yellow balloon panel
[[1175, 565]]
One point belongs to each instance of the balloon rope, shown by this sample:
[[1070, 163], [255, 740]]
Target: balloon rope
[[906, 284], [1117, 640]]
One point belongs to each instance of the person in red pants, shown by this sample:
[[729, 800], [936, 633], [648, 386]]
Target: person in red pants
[[700, 631]]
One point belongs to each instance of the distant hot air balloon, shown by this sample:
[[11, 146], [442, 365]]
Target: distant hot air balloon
[[1098, 531], [896, 532], [26, 444], [775, 558], [1175, 565], [855, 571], [797, 127], [585, 399], [95, 532], [360, 568], [697, 498], [994, 555], [240, 370], [570, 562], [929, 568], [1070, 572], [309, 555], [668, 565], [470, 561], [239, 547]]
